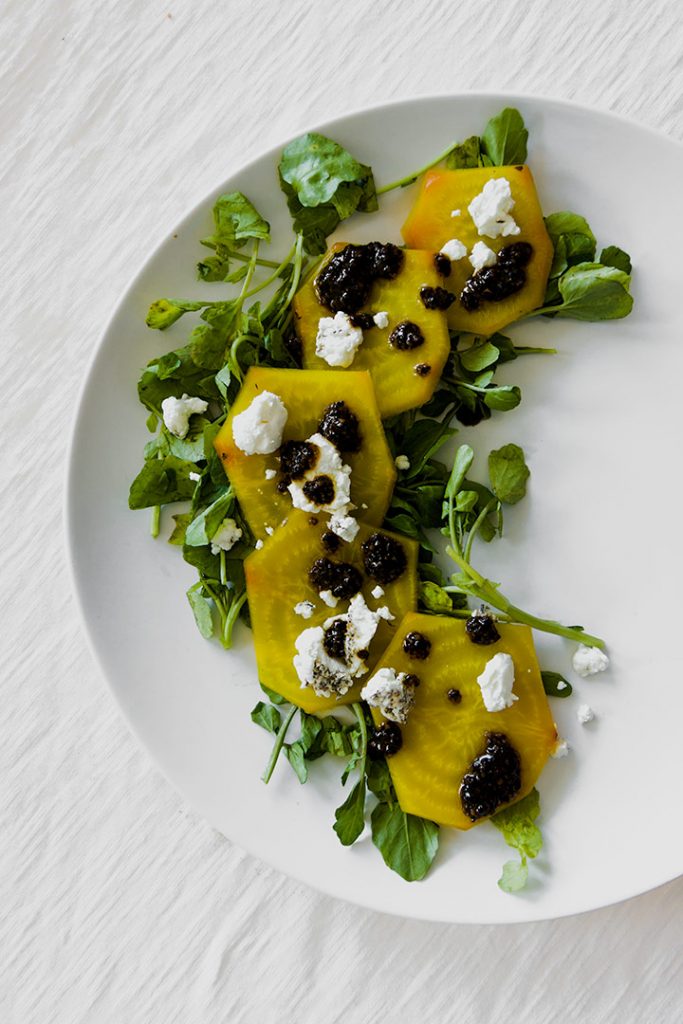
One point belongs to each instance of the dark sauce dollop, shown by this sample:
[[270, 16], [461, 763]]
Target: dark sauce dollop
[[493, 779], [334, 639], [505, 278], [406, 336], [417, 645], [341, 427], [481, 629], [384, 558], [319, 490], [387, 739], [436, 298], [342, 579], [296, 458], [344, 283]]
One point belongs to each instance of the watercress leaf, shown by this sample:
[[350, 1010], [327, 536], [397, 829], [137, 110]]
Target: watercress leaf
[[421, 441], [273, 697], [465, 154], [267, 716], [190, 447], [466, 501], [294, 752], [236, 220], [165, 312], [334, 738], [573, 241], [314, 223], [555, 685], [482, 380], [408, 844], [434, 598], [349, 818], [506, 348], [503, 398], [208, 564], [508, 473], [213, 268], [315, 167], [201, 609], [613, 256], [517, 824], [461, 463], [478, 357], [504, 139], [204, 526], [213, 461], [590, 291], [514, 876], [181, 523], [161, 481]]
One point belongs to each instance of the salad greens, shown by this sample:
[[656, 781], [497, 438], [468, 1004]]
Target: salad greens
[[250, 323]]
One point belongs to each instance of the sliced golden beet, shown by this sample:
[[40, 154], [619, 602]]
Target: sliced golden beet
[[430, 225], [277, 580], [398, 384], [306, 394], [441, 739]]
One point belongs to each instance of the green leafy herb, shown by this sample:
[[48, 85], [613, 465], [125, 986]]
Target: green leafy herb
[[555, 685], [324, 184], [236, 220], [206, 523], [465, 154], [161, 481], [165, 312], [201, 609], [508, 473], [267, 716], [349, 819], [408, 844], [590, 291], [505, 137], [613, 256], [517, 824]]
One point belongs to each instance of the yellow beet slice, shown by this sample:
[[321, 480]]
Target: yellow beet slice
[[440, 738], [306, 394], [277, 580], [398, 385], [430, 225]]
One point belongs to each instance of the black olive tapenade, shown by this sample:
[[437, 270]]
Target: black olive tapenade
[[384, 558], [344, 283], [387, 739], [296, 459], [406, 336], [442, 264], [436, 298], [417, 645], [334, 639], [319, 490], [481, 629], [342, 579], [494, 778], [454, 695], [341, 427], [423, 369], [330, 541], [505, 278]]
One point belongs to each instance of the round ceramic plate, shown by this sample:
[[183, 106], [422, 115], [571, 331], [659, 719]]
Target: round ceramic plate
[[597, 541]]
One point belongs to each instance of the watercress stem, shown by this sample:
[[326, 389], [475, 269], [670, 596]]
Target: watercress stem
[[155, 523], [272, 277], [410, 178], [231, 618], [277, 746]]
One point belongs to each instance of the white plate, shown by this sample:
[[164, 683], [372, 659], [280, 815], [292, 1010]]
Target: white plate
[[596, 541]]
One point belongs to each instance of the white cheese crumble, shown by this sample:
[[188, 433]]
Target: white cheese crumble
[[402, 462], [305, 609], [481, 256], [387, 690], [562, 748], [258, 430], [337, 340], [377, 592], [327, 675], [381, 319], [585, 713], [271, 474], [258, 545], [225, 537], [455, 213], [496, 682], [454, 249], [561, 685], [345, 527], [328, 597], [328, 463], [490, 209], [194, 476], [586, 661], [384, 613], [270, 531], [177, 411]]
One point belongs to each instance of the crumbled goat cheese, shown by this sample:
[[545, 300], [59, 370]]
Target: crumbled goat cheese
[[481, 256], [455, 213], [258, 430], [271, 474], [377, 592], [562, 748], [496, 682], [305, 609], [270, 531], [337, 340], [585, 713], [315, 668], [194, 476], [345, 527], [387, 691], [328, 463], [490, 209], [328, 597], [177, 411], [258, 545], [402, 462], [381, 319], [454, 249], [561, 685], [225, 537], [586, 661], [384, 613], [361, 626]]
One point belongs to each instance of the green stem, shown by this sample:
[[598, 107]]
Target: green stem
[[476, 525], [242, 257], [231, 618], [410, 178], [272, 277], [277, 746], [156, 521], [530, 350]]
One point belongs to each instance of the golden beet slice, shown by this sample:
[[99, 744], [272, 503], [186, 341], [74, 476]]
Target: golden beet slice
[[441, 738], [278, 580], [307, 394], [430, 225], [403, 379]]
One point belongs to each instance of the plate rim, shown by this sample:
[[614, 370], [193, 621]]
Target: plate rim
[[69, 488]]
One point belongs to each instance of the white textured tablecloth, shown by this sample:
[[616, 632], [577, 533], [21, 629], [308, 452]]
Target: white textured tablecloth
[[117, 905]]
